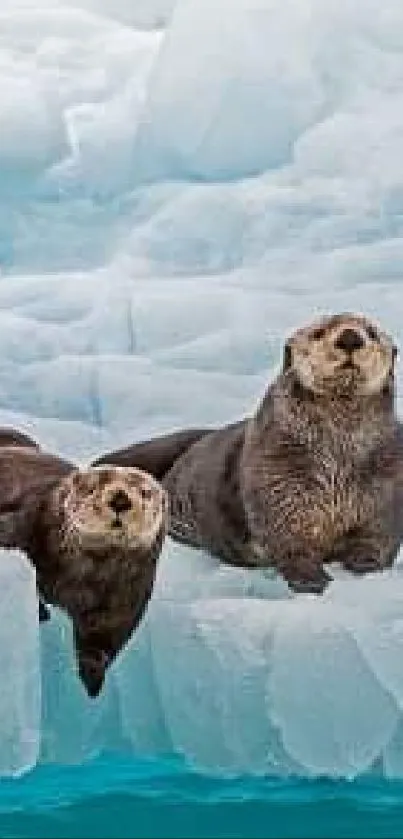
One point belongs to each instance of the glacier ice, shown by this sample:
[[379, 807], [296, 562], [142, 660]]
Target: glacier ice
[[182, 182]]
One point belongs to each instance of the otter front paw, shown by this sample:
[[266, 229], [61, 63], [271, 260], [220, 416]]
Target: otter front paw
[[314, 583], [360, 565], [366, 551]]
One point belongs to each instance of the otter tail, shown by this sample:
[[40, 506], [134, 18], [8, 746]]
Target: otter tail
[[155, 456]]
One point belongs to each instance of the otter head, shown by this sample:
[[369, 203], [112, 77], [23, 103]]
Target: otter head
[[107, 507], [343, 354]]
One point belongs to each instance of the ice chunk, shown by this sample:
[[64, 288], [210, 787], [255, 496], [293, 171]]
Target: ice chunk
[[20, 698], [254, 679]]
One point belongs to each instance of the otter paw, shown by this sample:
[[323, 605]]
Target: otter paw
[[316, 584], [363, 565]]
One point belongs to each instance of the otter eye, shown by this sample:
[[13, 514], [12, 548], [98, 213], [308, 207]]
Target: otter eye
[[146, 494], [318, 333], [394, 352], [372, 333], [287, 357]]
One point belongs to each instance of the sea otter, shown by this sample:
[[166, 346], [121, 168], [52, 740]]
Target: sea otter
[[313, 476]]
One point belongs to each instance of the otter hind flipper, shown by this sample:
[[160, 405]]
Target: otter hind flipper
[[157, 455]]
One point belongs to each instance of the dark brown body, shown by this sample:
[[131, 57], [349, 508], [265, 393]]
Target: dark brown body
[[104, 593], [304, 482]]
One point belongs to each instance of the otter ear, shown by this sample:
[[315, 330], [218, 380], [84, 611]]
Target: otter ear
[[287, 357]]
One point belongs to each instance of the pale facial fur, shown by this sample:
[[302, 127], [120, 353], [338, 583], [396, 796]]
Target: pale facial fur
[[342, 354], [112, 506]]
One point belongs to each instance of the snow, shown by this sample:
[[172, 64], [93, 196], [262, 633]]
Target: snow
[[182, 184]]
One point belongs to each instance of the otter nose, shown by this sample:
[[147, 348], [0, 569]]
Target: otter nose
[[120, 502], [349, 340]]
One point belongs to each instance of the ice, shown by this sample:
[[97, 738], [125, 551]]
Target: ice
[[64, 699], [127, 716], [275, 683], [20, 696], [182, 184], [146, 14], [319, 686], [234, 80]]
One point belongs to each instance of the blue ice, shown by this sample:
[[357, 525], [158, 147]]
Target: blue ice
[[181, 184]]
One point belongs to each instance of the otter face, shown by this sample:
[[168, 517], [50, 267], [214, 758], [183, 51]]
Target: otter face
[[113, 506], [344, 354]]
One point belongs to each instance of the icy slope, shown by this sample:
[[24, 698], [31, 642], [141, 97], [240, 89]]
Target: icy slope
[[180, 185]]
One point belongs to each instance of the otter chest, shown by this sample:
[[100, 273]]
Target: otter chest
[[343, 501]]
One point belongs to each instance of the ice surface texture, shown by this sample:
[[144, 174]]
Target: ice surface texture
[[180, 185]]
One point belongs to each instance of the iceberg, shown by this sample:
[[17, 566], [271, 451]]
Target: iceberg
[[182, 184]]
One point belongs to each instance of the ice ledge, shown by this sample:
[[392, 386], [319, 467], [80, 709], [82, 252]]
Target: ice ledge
[[228, 669]]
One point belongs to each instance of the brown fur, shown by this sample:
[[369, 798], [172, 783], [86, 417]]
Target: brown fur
[[12, 437], [315, 475], [97, 564], [159, 454]]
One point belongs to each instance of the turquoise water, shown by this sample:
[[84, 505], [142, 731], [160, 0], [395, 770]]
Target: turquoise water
[[162, 799]]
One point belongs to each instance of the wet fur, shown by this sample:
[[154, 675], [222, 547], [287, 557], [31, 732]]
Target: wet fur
[[105, 592], [310, 478]]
